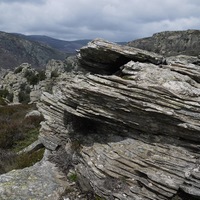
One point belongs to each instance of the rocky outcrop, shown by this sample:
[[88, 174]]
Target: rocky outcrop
[[134, 134], [26, 84], [19, 83], [128, 129], [103, 57], [171, 43]]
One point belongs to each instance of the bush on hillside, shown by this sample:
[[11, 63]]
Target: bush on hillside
[[9, 133], [18, 70], [41, 75], [16, 128], [16, 133], [10, 160], [2, 101], [54, 74], [24, 97], [31, 77], [4, 93]]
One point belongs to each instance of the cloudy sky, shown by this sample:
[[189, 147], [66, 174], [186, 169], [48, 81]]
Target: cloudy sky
[[114, 20]]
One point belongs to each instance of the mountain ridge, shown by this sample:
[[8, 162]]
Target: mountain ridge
[[171, 43], [15, 50], [61, 45]]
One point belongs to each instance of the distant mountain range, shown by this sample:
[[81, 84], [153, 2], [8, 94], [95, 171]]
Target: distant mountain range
[[15, 50], [37, 50], [171, 43], [61, 45]]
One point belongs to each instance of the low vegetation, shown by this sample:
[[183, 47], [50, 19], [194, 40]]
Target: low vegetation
[[4, 94], [16, 133], [18, 70]]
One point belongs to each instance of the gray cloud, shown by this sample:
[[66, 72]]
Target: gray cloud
[[21, 1], [115, 20]]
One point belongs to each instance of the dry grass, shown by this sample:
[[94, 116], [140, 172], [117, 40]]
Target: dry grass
[[16, 133]]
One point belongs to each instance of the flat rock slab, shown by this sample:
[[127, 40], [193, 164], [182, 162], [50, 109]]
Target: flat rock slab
[[43, 181]]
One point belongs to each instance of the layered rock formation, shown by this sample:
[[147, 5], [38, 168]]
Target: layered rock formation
[[133, 134], [26, 84], [170, 43], [129, 128]]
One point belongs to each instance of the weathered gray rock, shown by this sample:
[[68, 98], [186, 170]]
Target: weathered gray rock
[[104, 57], [26, 84], [155, 95], [43, 181], [35, 96], [54, 68], [188, 65], [183, 59], [13, 82], [138, 168], [33, 113], [134, 134], [32, 147], [139, 133], [71, 64], [171, 43]]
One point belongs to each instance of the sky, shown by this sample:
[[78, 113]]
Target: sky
[[113, 20]]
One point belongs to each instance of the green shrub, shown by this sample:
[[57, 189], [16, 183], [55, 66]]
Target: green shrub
[[41, 75], [4, 93], [99, 198], [10, 97], [18, 70], [49, 87], [2, 101], [27, 160], [31, 77], [10, 160], [73, 177], [7, 160], [17, 132], [9, 133], [54, 73], [24, 87], [24, 94], [24, 97]]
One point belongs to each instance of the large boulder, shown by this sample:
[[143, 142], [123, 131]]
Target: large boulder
[[134, 134], [104, 57]]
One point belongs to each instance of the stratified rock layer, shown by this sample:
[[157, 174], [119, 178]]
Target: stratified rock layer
[[138, 131], [103, 57], [129, 129]]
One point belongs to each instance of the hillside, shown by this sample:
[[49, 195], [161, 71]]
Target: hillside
[[171, 43], [61, 45], [15, 50]]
